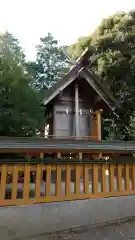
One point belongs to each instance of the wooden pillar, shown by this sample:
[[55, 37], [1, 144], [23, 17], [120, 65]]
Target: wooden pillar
[[98, 118], [96, 125], [76, 111]]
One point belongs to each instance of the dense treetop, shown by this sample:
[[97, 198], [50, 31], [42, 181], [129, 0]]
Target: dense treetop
[[20, 111], [114, 41]]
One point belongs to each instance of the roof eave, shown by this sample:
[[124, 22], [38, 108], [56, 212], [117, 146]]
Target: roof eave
[[112, 103], [71, 78]]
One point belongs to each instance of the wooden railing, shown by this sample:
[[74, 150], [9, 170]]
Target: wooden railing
[[27, 183]]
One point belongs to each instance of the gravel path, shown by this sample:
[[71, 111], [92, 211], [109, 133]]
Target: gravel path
[[115, 231]]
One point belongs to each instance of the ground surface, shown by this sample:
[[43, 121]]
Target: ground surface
[[116, 231]]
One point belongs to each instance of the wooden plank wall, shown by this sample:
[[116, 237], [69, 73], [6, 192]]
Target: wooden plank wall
[[39, 183]]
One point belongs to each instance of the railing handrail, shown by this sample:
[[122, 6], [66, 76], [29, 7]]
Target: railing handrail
[[41, 183], [47, 160]]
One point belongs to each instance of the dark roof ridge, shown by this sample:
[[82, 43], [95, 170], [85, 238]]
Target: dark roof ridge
[[81, 67], [72, 73]]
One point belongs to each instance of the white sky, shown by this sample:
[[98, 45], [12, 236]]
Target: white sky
[[67, 20]]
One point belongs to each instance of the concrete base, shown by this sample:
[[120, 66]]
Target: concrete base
[[33, 220]]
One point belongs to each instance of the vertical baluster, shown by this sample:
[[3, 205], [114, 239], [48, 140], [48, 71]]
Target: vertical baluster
[[107, 177], [86, 189], [131, 178], [48, 180], [127, 178], [111, 178], [14, 183], [26, 182], [68, 176], [134, 177], [119, 178], [103, 178], [95, 178], [77, 182], [58, 180], [3, 182], [38, 181]]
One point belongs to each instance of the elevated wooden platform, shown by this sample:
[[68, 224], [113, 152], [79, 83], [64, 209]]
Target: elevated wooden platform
[[63, 144]]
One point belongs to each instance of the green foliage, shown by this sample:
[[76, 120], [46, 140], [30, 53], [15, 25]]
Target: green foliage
[[20, 111], [9, 48], [50, 63], [114, 40]]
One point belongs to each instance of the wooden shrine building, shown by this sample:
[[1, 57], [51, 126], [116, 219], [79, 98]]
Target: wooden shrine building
[[74, 104], [40, 170]]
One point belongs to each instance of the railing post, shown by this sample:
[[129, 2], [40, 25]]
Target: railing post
[[77, 182], [134, 177], [111, 178], [3, 182], [119, 178], [26, 182], [14, 183], [58, 180], [86, 189], [38, 180], [95, 178], [48, 179], [68, 176], [127, 178], [103, 179]]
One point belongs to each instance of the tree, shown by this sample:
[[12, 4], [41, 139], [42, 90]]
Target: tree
[[50, 63], [9, 46], [20, 110], [114, 40]]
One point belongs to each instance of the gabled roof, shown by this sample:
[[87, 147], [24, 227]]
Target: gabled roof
[[81, 69]]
